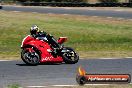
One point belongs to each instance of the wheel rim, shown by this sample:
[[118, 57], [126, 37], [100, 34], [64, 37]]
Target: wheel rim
[[31, 57], [71, 55]]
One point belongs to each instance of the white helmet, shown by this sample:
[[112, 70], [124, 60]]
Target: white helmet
[[34, 29]]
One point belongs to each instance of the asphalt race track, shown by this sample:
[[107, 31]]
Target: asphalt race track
[[61, 74], [12, 72], [102, 13]]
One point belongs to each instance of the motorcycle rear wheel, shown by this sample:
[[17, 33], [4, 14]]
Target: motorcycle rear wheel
[[70, 57], [30, 58]]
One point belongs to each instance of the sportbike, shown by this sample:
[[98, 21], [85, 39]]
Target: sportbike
[[47, 49]]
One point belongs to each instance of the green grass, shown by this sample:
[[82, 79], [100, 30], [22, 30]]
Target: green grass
[[13, 86], [93, 37], [85, 86]]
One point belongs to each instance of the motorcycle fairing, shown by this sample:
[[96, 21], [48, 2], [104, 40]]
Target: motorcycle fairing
[[43, 47]]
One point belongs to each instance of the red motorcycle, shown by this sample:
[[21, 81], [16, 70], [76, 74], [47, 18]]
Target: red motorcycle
[[47, 49]]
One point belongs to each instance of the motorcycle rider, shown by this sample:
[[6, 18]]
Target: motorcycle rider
[[41, 35], [35, 32]]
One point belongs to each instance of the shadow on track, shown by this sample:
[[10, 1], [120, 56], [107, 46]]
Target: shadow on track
[[23, 64]]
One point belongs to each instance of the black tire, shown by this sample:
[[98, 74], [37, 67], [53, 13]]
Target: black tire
[[81, 80], [70, 57], [34, 58], [0, 7]]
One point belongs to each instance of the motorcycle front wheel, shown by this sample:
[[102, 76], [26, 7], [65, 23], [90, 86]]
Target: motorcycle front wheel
[[30, 58], [70, 57]]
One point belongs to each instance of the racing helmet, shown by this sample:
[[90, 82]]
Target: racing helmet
[[34, 29]]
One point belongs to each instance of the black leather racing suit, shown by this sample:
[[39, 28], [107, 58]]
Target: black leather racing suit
[[47, 37]]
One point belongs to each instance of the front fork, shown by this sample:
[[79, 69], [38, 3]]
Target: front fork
[[30, 51]]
